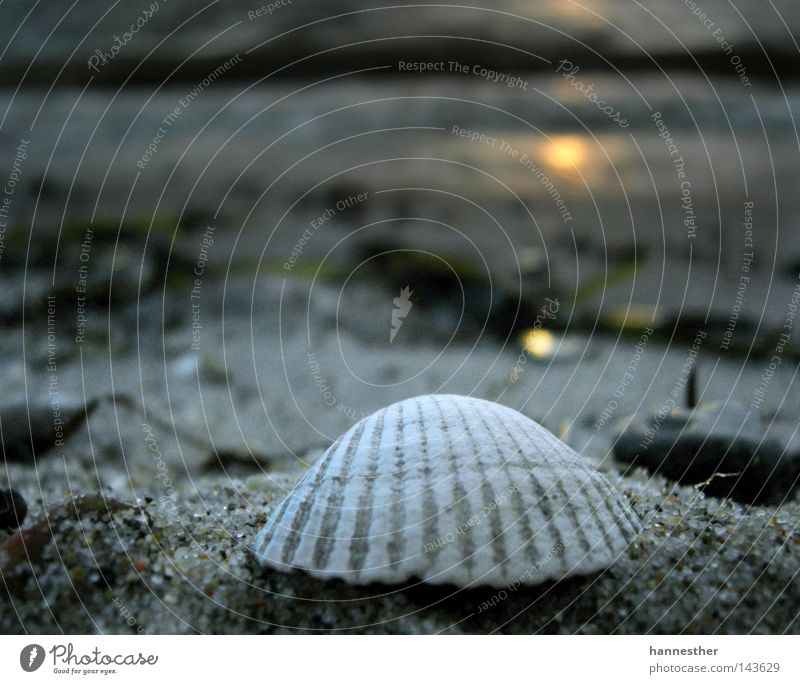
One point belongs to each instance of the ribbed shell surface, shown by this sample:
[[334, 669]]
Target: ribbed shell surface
[[449, 490]]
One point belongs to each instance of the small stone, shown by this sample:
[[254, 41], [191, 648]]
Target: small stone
[[29, 428], [727, 450], [13, 509]]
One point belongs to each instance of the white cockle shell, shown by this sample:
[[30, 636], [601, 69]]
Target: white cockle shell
[[449, 490]]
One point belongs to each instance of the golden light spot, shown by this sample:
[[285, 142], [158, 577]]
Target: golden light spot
[[566, 152], [538, 342], [633, 317]]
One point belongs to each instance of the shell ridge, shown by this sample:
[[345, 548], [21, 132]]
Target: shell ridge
[[270, 540], [588, 490], [556, 534], [547, 441], [459, 494], [358, 544], [519, 509], [430, 509], [397, 508], [264, 540], [333, 507], [499, 554], [619, 510], [584, 491], [612, 498], [303, 513], [558, 483], [634, 524], [596, 517]]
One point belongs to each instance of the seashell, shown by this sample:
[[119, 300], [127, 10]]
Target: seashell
[[450, 490]]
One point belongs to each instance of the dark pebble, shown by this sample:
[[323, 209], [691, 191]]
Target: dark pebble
[[729, 450], [13, 509]]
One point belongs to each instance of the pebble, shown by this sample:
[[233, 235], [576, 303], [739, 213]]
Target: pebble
[[728, 450], [13, 509]]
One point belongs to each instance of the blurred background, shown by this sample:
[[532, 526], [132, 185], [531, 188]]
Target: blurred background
[[261, 222]]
